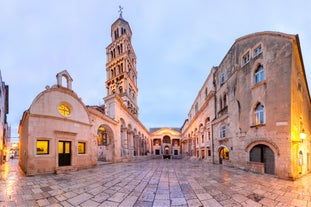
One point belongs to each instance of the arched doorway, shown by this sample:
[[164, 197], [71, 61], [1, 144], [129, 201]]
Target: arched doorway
[[262, 153], [166, 154], [104, 139], [223, 154]]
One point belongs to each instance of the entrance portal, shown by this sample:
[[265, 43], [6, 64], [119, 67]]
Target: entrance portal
[[167, 154], [262, 153], [64, 153], [223, 154]]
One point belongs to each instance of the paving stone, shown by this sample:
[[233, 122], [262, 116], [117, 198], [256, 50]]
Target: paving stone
[[109, 204], [79, 199], [152, 183], [161, 203], [117, 197], [43, 202], [204, 196], [211, 203], [178, 201], [194, 203], [89, 203], [129, 201]]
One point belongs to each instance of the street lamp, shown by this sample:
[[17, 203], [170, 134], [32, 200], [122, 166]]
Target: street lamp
[[302, 134]]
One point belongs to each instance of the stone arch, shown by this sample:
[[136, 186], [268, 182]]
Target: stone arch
[[223, 153], [64, 74], [262, 153], [105, 135], [166, 139], [201, 127], [255, 66], [252, 111], [105, 142], [269, 143]]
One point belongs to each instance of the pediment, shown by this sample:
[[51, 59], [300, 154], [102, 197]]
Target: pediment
[[166, 131]]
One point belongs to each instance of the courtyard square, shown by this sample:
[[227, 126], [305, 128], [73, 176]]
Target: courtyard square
[[151, 183]]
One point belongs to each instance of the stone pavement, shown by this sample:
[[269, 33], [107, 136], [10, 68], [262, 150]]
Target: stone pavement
[[151, 183]]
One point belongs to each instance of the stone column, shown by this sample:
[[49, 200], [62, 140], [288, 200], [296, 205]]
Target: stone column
[[131, 144], [124, 142]]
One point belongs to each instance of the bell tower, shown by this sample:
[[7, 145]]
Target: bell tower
[[121, 65]]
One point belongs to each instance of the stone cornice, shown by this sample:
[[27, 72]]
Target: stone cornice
[[59, 119]]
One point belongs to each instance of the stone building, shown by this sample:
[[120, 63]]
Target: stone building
[[196, 130], [4, 128], [166, 143], [260, 111], [55, 132]]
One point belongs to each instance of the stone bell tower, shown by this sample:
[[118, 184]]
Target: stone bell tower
[[121, 67]]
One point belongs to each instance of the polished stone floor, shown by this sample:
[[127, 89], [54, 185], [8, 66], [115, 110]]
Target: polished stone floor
[[151, 183]]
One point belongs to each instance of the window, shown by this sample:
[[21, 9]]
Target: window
[[102, 136], [245, 58], [259, 74], [202, 139], [222, 131], [259, 114], [42, 147], [64, 110], [222, 78], [81, 147], [257, 50]]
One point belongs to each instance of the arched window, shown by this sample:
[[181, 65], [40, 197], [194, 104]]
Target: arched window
[[102, 136], [119, 49], [166, 139], [259, 74], [259, 114]]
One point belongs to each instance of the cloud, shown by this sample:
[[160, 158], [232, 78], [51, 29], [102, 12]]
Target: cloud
[[176, 43]]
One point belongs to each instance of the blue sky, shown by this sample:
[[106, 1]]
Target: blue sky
[[176, 43]]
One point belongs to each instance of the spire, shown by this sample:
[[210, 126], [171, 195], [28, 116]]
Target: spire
[[120, 11]]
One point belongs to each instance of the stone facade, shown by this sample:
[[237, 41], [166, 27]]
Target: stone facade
[[262, 106], [196, 131], [166, 143], [4, 128], [50, 135]]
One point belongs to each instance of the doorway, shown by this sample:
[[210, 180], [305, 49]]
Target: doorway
[[262, 153], [223, 154], [64, 153]]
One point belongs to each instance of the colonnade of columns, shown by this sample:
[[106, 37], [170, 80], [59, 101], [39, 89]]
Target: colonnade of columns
[[133, 144]]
